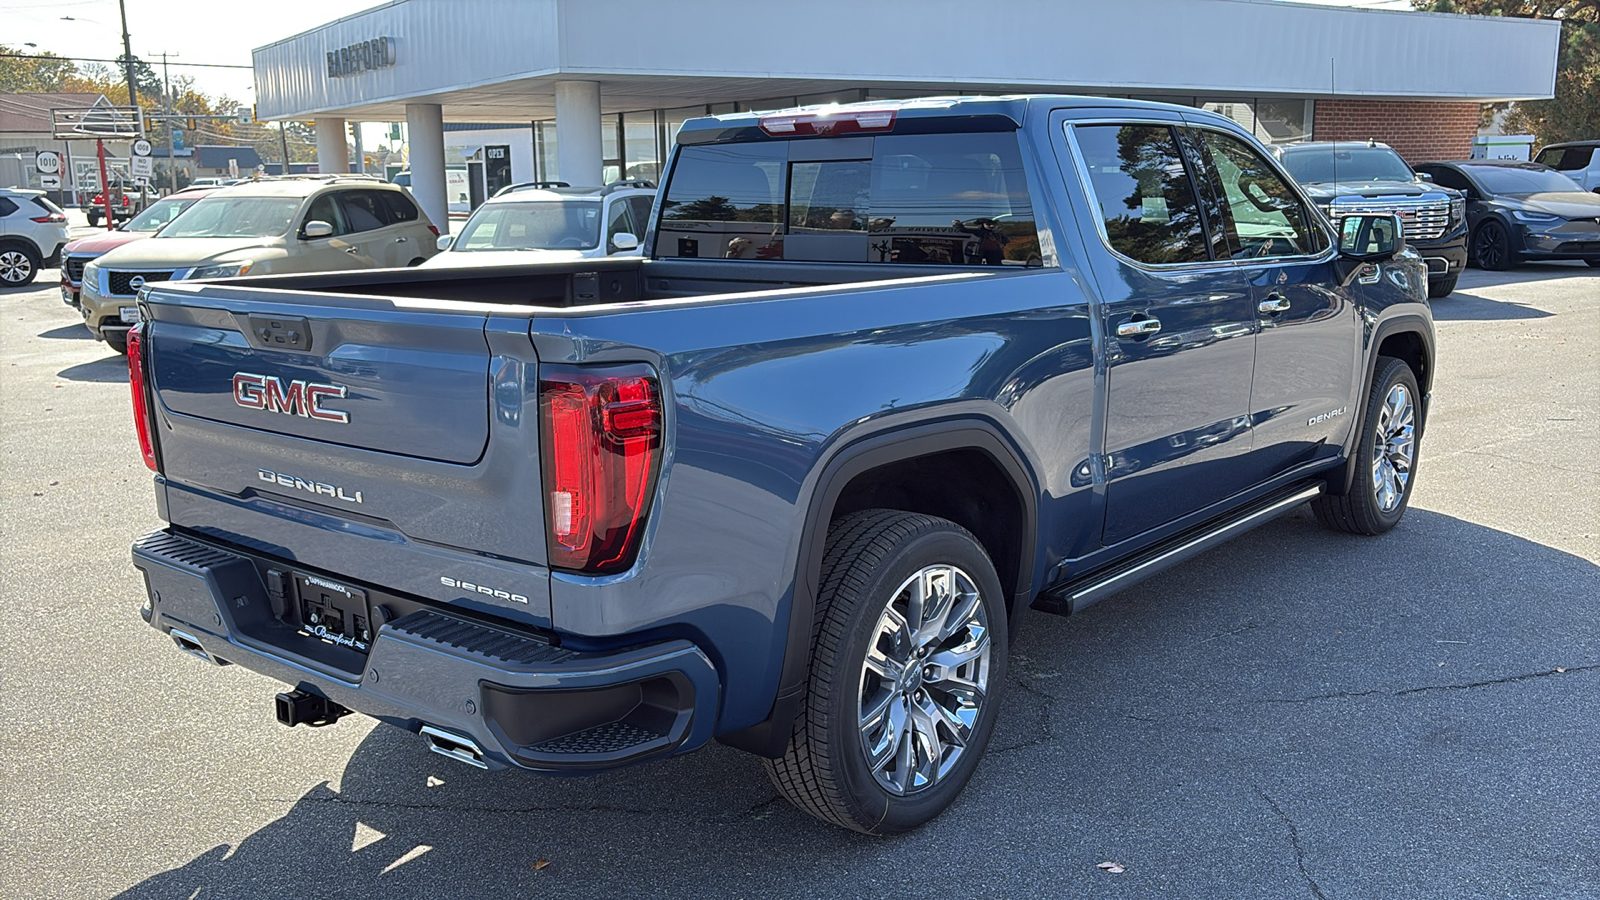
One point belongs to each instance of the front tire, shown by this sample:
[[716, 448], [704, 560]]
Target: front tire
[[1491, 247], [19, 265], [907, 661], [1439, 288], [1386, 456], [116, 342]]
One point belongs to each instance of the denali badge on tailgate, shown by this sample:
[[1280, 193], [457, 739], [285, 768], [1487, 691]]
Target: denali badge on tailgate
[[300, 398]]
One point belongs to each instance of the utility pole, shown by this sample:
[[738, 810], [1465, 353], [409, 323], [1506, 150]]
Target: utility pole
[[127, 54], [172, 107]]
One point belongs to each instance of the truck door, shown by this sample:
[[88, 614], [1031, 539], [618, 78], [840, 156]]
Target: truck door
[[1301, 400], [1178, 327]]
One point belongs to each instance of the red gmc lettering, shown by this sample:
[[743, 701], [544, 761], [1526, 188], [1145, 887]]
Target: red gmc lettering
[[298, 398]]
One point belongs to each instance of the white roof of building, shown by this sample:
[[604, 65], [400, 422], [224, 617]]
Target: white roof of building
[[496, 60]]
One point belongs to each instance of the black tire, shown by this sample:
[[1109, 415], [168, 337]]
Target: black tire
[[117, 342], [1593, 261], [1491, 247], [19, 265], [1439, 288], [94, 219], [1362, 510], [415, 262], [871, 555]]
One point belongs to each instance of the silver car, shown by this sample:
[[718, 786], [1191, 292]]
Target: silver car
[[32, 232]]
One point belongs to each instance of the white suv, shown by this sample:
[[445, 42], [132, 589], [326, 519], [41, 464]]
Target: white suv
[[32, 232], [550, 220], [1578, 160]]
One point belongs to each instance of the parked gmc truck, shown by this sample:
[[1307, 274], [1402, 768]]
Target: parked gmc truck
[[888, 377]]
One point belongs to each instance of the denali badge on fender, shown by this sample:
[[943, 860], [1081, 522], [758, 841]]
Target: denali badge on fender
[[300, 398]]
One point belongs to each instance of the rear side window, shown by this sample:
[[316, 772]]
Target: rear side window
[[365, 210], [7, 207], [400, 208], [1144, 192], [941, 199], [45, 204]]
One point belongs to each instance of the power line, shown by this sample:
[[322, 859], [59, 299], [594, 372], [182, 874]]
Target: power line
[[78, 59]]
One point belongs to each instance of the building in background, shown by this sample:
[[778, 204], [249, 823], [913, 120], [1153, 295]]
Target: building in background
[[605, 86], [25, 129]]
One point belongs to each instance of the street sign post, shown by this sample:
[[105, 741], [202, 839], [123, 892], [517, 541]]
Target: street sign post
[[140, 164]]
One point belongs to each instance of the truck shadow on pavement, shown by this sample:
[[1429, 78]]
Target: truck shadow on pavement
[[1462, 305], [68, 333], [112, 368], [1360, 717]]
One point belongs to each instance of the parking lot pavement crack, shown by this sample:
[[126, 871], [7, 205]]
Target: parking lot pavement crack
[[1046, 709], [1294, 840], [1434, 688]]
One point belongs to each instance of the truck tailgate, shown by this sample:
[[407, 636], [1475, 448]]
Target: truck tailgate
[[400, 446], [409, 385]]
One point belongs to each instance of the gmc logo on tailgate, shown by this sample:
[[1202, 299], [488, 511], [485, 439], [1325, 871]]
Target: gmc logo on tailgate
[[298, 398]]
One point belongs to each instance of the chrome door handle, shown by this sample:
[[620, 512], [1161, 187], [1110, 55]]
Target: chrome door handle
[[401, 240], [1138, 327], [1274, 304], [352, 249]]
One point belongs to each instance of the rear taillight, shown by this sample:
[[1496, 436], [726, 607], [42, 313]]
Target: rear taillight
[[141, 401], [434, 229], [52, 219], [601, 440]]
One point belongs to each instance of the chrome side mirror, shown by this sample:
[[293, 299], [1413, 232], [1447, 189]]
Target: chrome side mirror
[[444, 241], [1425, 177], [316, 229], [624, 241]]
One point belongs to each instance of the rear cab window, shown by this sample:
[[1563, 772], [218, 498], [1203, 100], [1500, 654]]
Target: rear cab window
[[928, 199]]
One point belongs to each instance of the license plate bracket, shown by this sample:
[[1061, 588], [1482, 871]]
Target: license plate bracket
[[333, 613], [128, 314]]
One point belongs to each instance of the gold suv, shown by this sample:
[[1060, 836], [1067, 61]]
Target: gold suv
[[303, 223]]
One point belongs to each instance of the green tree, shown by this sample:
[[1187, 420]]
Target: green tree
[[1574, 111], [24, 71]]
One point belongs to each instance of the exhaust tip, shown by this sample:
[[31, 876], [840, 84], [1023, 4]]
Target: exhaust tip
[[455, 746], [189, 644]]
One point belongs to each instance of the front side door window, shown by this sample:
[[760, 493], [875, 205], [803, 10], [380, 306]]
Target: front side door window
[[1265, 217], [1179, 329], [620, 222]]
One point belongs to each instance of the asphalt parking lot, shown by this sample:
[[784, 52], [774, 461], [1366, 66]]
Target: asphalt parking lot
[[1296, 714]]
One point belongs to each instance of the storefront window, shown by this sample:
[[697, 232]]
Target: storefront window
[[544, 144], [641, 150], [1282, 121]]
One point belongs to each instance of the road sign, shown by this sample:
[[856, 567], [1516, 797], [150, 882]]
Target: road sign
[[50, 182], [48, 162], [141, 147], [140, 164]]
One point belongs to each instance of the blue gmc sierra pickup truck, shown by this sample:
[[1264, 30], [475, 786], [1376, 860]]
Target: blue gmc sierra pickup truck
[[889, 376]]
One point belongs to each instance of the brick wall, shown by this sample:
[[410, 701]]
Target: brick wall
[[1421, 130]]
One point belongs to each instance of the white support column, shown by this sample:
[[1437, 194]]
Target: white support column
[[425, 127], [333, 153], [578, 154]]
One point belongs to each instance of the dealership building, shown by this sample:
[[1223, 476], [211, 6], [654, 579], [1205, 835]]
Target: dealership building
[[586, 92]]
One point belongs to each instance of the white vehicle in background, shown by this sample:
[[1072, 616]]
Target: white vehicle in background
[[32, 232], [1578, 160], [544, 221]]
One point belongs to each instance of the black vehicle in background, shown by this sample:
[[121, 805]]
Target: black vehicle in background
[[1519, 211], [1368, 178]]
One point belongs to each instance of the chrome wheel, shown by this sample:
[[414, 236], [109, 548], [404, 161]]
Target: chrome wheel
[[924, 680], [15, 267], [1394, 443]]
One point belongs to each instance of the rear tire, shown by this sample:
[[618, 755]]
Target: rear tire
[[1386, 456], [1491, 247], [908, 656], [19, 265], [94, 219], [1439, 288]]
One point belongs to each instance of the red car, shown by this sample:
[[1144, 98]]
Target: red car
[[154, 217]]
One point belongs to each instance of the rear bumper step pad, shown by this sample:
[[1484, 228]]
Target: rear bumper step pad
[[525, 701]]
